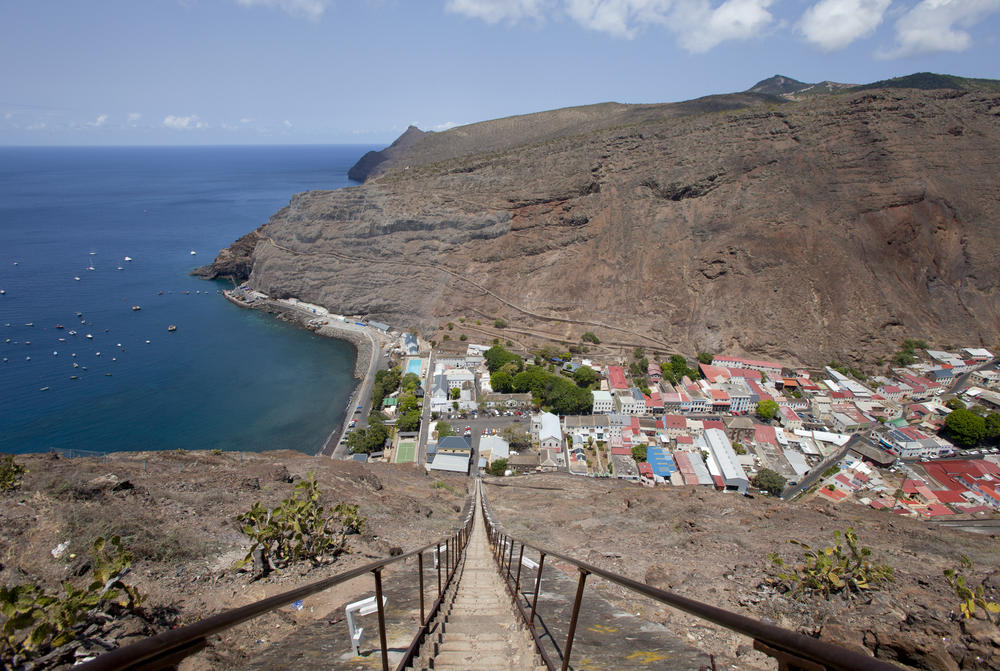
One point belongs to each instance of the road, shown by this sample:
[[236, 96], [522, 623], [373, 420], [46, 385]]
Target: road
[[362, 396], [963, 379], [425, 416], [816, 472]]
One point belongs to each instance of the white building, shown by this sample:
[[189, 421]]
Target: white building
[[603, 402], [547, 431]]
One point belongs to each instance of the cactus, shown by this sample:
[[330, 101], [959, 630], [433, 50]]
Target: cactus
[[843, 568], [969, 597], [299, 527], [10, 473], [36, 621]]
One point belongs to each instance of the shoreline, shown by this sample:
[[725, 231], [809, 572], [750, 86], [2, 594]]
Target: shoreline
[[358, 337]]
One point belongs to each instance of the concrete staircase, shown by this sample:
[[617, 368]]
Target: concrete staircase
[[477, 627]]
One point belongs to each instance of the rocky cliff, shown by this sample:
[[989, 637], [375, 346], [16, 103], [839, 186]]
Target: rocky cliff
[[828, 227]]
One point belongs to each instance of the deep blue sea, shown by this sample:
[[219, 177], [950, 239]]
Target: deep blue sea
[[227, 378]]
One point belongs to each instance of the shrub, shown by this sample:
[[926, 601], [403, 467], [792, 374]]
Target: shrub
[[769, 480], [10, 474], [500, 323], [463, 337], [498, 467], [298, 528], [590, 337], [839, 569]]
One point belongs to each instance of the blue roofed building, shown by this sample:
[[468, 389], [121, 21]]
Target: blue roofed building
[[661, 462]]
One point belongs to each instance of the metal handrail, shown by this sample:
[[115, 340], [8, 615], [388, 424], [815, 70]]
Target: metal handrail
[[167, 649], [791, 649]]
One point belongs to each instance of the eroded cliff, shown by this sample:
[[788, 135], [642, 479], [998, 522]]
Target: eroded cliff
[[827, 227]]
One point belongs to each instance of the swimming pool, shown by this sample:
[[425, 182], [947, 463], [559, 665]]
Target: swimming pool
[[413, 366]]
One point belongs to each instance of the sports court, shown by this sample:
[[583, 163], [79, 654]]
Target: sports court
[[406, 452]]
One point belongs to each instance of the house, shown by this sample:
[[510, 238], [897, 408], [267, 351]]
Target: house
[[588, 426], [492, 448], [525, 462], [789, 418], [616, 377], [410, 345], [675, 425], [661, 462], [912, 443], [771, 369], [603, 402], [454, 454], [723, 463], [546, 431], [692, 468], [654, 372], [506, 401], [977, 354]]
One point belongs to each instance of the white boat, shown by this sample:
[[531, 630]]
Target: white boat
[[193, 253], [76, 277], [128, 258]]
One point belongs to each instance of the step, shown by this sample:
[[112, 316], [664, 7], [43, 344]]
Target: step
[[472, 660], [473, 645]]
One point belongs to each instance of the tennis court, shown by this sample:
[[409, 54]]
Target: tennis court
[[406, 452]]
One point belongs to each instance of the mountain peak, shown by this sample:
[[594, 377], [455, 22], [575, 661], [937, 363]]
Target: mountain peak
[[777, 85]]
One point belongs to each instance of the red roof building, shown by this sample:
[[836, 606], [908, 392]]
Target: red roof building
[[616, 377]]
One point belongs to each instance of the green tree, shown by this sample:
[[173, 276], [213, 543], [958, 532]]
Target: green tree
[[456, 393], [770, 481], [954, 404], [993, 425], [767, 409], [410, 382], [584, 376], [498, 467], [10, 473], [500, 323], [705, 357], [497, 356], [639, 353], [502, 382], [965, 427], [371, 439], [590, 337], [444, 429], [409, 421], [407, 403], [639, 452]]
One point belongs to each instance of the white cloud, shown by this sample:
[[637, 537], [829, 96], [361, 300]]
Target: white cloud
[[246, 120], [699, 27], [183, 122], [308, 9], [833, 24], [494, 11], [697, 24], [939, 25], [133, 117], [8, 116], [619, 18], [445, 126], [98, 122], [36, 126], [286, 123]]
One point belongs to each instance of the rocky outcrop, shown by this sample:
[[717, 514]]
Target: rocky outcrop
[[370, 162], [831, 227]]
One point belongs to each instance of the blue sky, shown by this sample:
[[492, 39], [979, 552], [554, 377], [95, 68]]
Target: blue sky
[[360, 71]]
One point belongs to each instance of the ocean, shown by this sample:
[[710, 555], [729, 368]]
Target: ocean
[[113, 378]]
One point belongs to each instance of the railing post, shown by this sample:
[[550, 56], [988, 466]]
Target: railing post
[[538, 586], [510, 558], [447, 558], [420, 568], [572, 622], [381, 618], [437, 549], [517, 580]]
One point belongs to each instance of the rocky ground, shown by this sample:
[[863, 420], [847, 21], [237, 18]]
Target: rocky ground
[[176, 512], [714, 547]]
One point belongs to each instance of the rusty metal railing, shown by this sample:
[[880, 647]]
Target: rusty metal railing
[[792, 651], [168, 649]]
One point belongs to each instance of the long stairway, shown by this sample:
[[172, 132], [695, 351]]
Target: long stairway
[[477, 627]]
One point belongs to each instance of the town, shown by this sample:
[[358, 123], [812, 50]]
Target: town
[[919, 439]]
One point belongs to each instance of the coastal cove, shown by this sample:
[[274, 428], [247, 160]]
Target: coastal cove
[[131, 224]]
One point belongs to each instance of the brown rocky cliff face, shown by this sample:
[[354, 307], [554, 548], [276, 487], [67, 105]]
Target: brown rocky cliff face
[[832, 227]]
